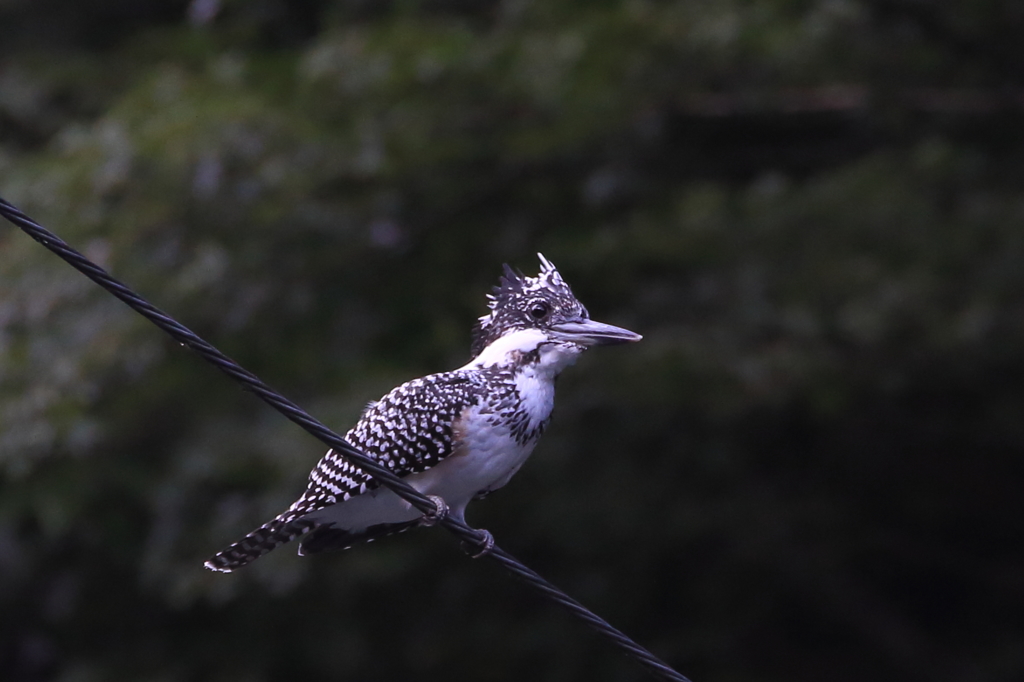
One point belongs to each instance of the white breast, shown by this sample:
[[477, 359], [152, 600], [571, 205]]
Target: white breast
[[487, 458]]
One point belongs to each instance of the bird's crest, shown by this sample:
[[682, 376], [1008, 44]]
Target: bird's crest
[[517, 301]]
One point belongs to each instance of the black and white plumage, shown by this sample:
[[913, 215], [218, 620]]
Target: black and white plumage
[[457, 435]]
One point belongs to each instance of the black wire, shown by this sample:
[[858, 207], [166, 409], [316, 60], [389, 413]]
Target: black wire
[[289, 409]]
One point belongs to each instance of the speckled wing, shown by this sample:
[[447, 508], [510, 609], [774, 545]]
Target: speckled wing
[[409, 430]]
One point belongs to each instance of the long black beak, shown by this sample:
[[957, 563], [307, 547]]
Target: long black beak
[[591, 333]]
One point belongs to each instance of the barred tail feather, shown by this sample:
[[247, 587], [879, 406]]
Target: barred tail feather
[[267, 537]]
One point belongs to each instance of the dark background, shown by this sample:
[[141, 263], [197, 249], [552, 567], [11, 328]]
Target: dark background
[[810, 469]]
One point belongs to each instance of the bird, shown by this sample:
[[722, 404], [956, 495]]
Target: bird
[[454, 436]]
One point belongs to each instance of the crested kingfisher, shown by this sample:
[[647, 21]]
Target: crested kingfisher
[[456, 435]]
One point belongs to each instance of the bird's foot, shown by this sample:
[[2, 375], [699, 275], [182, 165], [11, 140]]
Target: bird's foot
[[482, 546], [439, 514]]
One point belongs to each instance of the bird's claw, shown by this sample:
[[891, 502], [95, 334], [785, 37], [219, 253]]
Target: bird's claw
[[482, 546], [439, 514]]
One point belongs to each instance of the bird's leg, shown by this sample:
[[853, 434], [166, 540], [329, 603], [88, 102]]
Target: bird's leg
[[482, 546], [439, 513]]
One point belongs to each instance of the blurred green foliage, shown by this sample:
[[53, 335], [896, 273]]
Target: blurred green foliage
[[809, 469]]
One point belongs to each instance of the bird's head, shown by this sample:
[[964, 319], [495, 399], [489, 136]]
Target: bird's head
[[541, 310]]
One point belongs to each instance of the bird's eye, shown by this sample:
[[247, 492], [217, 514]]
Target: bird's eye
[[539, 310]]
